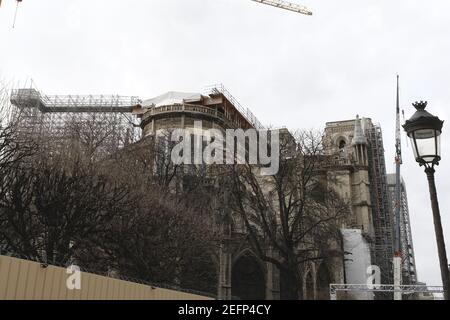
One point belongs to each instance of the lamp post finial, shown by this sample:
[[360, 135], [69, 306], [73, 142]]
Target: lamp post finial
[[420, 105]]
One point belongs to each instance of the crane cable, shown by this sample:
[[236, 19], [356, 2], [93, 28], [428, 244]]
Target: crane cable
[[15, 14]]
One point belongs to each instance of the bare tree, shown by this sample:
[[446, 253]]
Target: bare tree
[[95, 135], [132, 211], [49, 210], [146, 164], [292, 217], [160, 243], [13, 147], [169, 235], [53, 198]]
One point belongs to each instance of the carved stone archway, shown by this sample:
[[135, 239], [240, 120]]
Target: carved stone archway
[[248, 278]]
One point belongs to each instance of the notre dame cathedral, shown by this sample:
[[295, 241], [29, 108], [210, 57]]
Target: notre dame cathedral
[[355, 158]]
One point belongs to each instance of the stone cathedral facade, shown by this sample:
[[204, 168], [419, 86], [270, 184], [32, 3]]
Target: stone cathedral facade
[[356, 161], [355, 169], [356, 147], [349, 147]]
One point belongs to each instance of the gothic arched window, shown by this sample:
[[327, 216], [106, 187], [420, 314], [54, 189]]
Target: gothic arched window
[[342, 144]]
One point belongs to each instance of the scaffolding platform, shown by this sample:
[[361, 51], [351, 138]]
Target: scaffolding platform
[[32, 98], [47, 118]]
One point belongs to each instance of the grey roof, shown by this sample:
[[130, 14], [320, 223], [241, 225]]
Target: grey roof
[[172, 97]]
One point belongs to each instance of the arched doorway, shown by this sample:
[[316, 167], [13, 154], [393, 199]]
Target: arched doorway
[[323, 283], [247, 279]]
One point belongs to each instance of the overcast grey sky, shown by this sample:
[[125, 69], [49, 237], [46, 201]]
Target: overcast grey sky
[[290, 69]]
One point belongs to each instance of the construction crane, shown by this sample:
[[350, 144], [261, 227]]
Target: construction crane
[[16, 1], [15, 14], [286, 5], [397, 259], [275, 3]]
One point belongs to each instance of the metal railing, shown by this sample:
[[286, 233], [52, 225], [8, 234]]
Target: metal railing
[[174, 108], [246, 113], [334, 288], [72, 103]]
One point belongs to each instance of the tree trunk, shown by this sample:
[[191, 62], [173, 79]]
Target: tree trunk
[[290, 285]]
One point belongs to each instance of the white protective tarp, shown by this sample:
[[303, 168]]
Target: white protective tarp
[[172, 97], [357, 260]]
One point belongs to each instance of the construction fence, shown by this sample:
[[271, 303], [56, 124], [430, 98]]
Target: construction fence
[[28, 280]]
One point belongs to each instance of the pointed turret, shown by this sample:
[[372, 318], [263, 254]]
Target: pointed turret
[[359, 143], [358, 136]]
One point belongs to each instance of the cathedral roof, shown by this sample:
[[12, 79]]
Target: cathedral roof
[[172, 97]]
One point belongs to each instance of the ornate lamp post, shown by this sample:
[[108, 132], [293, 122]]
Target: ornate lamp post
[[424, 130]]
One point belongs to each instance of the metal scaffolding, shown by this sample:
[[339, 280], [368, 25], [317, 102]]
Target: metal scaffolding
[[102, 118], [383, 288], [409, 272], [382, 212], [26, 98]]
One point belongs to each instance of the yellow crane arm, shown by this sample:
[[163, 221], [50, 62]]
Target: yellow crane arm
[[286, 5]]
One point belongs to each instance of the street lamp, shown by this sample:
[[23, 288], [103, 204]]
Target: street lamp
[[425, 130]]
